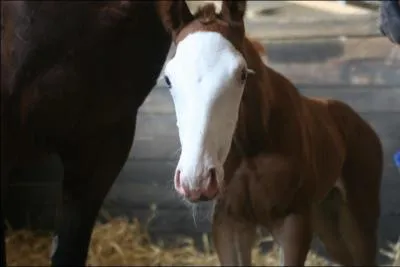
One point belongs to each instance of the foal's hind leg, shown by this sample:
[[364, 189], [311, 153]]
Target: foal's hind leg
[[360, 237], [326, 223], [90, 169], [360, 213]]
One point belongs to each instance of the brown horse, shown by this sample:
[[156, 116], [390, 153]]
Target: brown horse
[[268, 155], [73, 77]]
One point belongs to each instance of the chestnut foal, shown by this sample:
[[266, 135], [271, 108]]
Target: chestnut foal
[[268, 155]]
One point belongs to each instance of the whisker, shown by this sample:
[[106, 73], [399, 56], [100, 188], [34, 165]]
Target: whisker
[[194, 213], [393, 56], [170, 184], [250, 71], [171, 163], [179, 150]]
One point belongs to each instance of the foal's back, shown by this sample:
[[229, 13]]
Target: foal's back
[[346, 146], [337, 134]]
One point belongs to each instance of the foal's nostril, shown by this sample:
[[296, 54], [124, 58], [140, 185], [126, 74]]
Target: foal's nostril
[[212, 182], [203, 198], [178, 178], [212, 174]]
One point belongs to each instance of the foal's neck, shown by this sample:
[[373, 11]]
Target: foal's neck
[[270, 110]]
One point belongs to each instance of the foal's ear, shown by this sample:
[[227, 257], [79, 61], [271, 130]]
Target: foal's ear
[[233, 11], [175, 14]]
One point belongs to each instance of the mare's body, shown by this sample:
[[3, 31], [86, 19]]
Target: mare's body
[[305, 165], [73, 77]]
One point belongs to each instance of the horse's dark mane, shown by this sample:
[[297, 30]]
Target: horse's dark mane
[[207, 14]]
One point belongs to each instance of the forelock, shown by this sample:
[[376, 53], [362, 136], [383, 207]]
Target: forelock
[[207, 14]]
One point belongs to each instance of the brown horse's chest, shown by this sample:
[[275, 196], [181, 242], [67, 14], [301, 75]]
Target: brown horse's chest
[[263, 192]]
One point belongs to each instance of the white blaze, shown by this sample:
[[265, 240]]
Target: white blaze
[[206, 87]]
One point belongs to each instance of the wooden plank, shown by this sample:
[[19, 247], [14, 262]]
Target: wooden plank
[[301, 25], [362, 99], [160, 172], [158, 148], [158, 101], [142, 194], [151, 125], [333, 7], [152, 172], [387, 126], [292, 30], [381, 106]]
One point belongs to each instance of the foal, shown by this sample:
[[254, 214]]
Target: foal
[[268, 155]]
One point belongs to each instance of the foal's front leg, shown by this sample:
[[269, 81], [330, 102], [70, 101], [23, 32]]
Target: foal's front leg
[[233, 241], [294, 235]]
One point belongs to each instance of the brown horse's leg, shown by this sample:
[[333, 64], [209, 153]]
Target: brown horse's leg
[[361, 179], [359, 225], [326, 226], [233, 241], [361, 243], [90, 168], [2, 236], [294, 235], [4, 185], [359, 217]]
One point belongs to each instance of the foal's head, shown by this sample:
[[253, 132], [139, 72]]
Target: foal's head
[[206, 77]]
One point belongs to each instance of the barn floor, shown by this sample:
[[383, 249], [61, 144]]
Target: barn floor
[[363, 71], [124, 242]]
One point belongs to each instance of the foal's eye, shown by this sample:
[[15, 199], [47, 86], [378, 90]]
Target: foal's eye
[[243, 75], [167, 81]]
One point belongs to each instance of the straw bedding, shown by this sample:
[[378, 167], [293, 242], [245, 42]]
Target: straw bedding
[[121, 242]]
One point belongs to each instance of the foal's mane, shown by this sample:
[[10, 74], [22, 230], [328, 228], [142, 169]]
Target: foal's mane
[[266, 95], [207, 14]]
